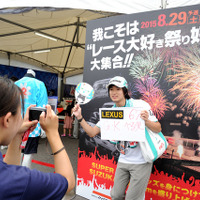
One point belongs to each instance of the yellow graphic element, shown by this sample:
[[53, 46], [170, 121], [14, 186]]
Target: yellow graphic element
[[102, 171], [118, 114]]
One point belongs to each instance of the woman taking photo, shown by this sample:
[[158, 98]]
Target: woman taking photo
[[18, 182]]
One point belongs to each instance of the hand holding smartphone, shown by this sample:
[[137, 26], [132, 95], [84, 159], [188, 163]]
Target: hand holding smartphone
[[35, 112]]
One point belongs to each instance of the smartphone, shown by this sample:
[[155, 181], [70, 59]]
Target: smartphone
[[35, 112]]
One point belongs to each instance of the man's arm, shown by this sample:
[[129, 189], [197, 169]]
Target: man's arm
[[153, 126], [49, 123], [91, 131], [13, 153]]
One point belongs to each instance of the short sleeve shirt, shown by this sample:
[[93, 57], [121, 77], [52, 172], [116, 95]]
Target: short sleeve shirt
[[134, 155], [21, 183]]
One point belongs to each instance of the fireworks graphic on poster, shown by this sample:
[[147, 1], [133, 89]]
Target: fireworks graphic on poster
[[144, 71], [158, 103], [147, 86], [169, 56], [187, 80], [145, 64]]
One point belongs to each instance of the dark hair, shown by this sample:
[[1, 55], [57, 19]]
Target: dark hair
[[124, 89], [69, 108], [73, 102], [14, 78], [10, 97]]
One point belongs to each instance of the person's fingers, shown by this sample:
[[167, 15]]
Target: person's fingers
[[49, 113], [28, 125], [76, 107], [26, 117], [42, 116], [52, 112], [33, 125], [34, 122]]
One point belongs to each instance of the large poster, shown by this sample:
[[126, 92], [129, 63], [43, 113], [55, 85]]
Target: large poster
[[158, 53]]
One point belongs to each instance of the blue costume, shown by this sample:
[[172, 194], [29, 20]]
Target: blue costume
[[35, 93]]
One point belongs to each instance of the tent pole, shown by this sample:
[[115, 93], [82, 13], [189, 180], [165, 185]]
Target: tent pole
[[62, 87], [70, 49], [164, 4]]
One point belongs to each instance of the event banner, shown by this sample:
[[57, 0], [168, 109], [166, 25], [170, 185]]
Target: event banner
[[158, 53]]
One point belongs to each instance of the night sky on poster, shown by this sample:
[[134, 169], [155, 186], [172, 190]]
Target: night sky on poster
[[158, 53]]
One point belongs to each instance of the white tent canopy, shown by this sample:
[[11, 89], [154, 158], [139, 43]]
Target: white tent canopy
[[21, 23], [119, 6]]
